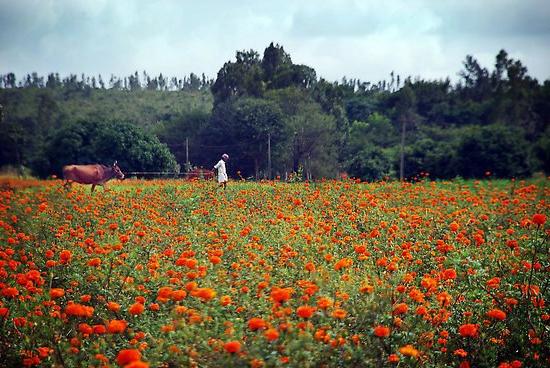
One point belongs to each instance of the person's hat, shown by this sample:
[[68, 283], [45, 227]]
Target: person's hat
[[225, 155]]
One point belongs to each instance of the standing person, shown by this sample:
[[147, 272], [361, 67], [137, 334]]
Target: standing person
[[222, 173]]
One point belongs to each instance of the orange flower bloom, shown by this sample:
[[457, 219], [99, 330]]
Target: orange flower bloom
[[449, 274], [179, 295], [65, 256], [127, 356], [271, 334], [393, 358], [225, 300], [256, 324], [400, 308], [136, 308], [56, 293], [339, 313], [496, 314], [381, 331], [539, 218], [493, 283], [94, 262], [232, 347], [409, 350], [79, 310], [468, 330], [99, 329], [324, 302], [164, 293], [453, 226], [113, 307], [281, 295], [116, 326], [205, 294], [85, 329], [305, 311], [10, 292]]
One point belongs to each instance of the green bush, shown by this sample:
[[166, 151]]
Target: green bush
[[104, 142]]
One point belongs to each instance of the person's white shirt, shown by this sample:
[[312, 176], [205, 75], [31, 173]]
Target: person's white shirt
[[222, 174]]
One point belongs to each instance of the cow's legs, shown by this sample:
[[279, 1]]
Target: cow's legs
[[93, 187], [67, 185]]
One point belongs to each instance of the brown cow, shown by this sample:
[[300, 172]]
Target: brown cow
[[91, 174]]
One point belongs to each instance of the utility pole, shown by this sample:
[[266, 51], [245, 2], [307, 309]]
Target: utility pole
[[187, 154], [402, 153], [269, 156]]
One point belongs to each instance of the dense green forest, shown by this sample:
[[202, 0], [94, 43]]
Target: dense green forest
[[276, 118]]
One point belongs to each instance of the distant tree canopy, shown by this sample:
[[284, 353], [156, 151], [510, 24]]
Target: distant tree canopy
[[274, 117]]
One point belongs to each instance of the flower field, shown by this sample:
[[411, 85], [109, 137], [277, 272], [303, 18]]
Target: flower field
[[328, 274]]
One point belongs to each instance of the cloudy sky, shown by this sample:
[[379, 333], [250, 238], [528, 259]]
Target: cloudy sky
[[353, 38]]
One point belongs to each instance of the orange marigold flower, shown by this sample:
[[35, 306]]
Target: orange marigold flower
[[256, 324], [94, 262], [305, 311], [324, 302], [79, 310], [400, 308], [113, 307], [225, 300], [281, 295], [10, 292], [539, 218], [381, 331], [85, 329], [116, 326], [179, 295], [449, 274], [493, 283], [232, 347], [4, 312], [136, 308], [205, 294], [339, 313], [127, 356], [165, 292], [343, 263], [65, 256], [99, 329], [453, 226], [496, 314], [271, 334], [468, 330], [409, 350], [56, 293], [393, 358]]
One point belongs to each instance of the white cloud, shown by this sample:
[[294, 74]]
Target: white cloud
[[352, 38]]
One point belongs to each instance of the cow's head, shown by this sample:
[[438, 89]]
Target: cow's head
[[117, 171]]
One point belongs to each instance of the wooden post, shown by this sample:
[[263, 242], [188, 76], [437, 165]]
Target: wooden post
[[186, 153], [269, 156]]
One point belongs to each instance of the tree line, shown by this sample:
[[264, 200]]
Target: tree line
[[277, 118], [133, 82]]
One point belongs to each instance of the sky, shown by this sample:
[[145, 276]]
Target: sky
[[353, 38]]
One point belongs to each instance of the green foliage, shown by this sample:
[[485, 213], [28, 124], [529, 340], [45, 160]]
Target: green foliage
[[325, 127], [242, 127], [501, 150], [91, 142], [371, 163]]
